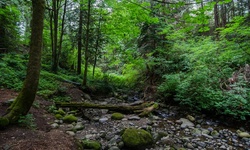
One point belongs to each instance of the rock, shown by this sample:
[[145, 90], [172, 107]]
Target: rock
[[189, 145], [190, 118], [134, 118], [90, 144], [215, 133], [71, 133], [244, 135], [60, 111], [186, 123], [79, 126], [196, 132], [136, 138], [69, 118], [167, 141], [54, 125], [102, 120], [114, 148], [58, 116], [117, 116]]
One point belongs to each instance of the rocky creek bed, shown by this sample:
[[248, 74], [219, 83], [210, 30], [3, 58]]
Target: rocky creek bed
[[168, 127]]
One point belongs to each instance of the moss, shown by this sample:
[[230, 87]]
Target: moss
[[90, 144], [60, 111], [3, 122], [117, 116], [58, 116], [69, 118], [136, 138]]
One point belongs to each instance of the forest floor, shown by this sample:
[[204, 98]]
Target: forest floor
[[44, 136], [16, 137]]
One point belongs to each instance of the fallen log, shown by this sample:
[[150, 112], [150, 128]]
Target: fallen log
[[144, 109]]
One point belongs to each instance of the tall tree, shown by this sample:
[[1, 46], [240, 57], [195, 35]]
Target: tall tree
[[87, 45], [56, 44], [79, 55], [26, 97]]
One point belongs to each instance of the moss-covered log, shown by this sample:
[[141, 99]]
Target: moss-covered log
[[143, 108]]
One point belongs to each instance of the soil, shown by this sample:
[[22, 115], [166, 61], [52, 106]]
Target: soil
[[16, 137]]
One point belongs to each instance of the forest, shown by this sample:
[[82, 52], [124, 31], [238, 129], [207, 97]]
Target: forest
[[160, 68]]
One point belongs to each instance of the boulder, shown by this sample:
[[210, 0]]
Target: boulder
[[117, 116], [136, 138], [69, 118], [90, 144]]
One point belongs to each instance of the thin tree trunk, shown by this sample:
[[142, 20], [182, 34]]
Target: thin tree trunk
[[87, 47], [216, 15], [62, 32], [55, 19], [26, 97], [97, 44], [79, 54]]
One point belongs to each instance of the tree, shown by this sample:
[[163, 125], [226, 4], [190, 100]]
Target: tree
[[26, 97], [79, 55], [87, 45], [56, 44]]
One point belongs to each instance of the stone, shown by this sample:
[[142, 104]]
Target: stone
[[60, 111], [186, 123], [79, 126], [215, 133], [117, 116], [91, 144], [103, 120], [244, 135], [69, 118], [134, 118], [58, 116], [71, 133], [136, 138], [114, 148], [54, 125], [196, 132], [190, 118], [189, 145]]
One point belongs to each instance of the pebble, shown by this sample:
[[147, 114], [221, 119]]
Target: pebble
[[103, 120], [134, 118]]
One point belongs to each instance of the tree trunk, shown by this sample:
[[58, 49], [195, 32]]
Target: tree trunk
[[87, 47], [144, 109], [62, 33], [97, 44], [55, 30], [216, 15], [79, 55], [26, 97]]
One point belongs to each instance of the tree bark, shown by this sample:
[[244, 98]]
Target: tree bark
[[87, 46], [26, 97], [79, 54]]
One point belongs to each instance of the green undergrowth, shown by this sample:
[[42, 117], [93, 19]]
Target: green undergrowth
[[204, 83]]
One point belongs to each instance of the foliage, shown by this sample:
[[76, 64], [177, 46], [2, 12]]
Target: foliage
[[12, 70], [27, 121]]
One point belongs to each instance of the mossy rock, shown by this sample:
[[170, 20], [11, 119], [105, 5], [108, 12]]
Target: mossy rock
[[60, 111], [3, 122], [136, 138], [69, 118], [90, 144], [58, 116], [117, 116]]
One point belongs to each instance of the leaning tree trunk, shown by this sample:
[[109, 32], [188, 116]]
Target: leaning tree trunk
[[26, 97]]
